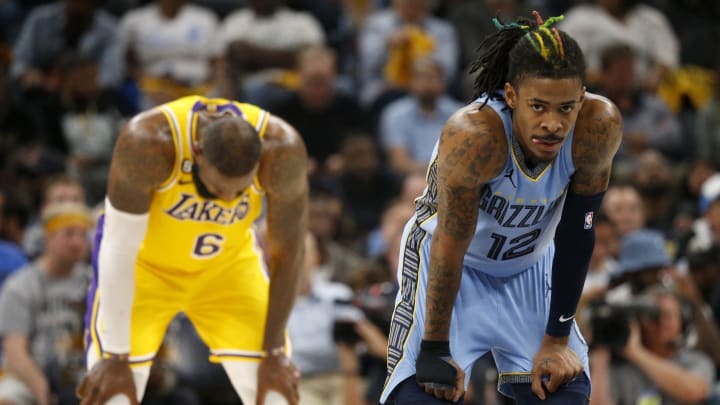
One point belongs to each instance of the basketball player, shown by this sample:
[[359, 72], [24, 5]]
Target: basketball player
[[186, 183], [526, 163]]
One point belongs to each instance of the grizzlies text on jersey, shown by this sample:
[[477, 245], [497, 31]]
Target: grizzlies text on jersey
[[519, 211]]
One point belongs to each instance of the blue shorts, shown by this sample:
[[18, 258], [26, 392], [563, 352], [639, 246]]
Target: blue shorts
[[505, 315]]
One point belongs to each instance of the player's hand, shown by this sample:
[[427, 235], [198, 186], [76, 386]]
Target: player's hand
[[438, 373], [108, 378], [277, 373], [554, 365]]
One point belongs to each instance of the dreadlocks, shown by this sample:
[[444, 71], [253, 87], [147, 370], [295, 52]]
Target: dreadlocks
[[525, 48]]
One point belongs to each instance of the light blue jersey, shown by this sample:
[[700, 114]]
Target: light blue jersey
[[519, 211], [504, 297]]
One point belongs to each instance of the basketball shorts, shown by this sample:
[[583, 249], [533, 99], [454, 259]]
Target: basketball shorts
[[504, 315], [226, 304]]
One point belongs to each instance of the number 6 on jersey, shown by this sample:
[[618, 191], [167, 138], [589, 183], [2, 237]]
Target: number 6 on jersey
[[207, 245]]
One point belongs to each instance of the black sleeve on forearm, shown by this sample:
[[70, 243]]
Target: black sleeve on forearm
[[574, 242]]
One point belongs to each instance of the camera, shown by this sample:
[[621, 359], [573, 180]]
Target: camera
[[376, 304], [610, 322]]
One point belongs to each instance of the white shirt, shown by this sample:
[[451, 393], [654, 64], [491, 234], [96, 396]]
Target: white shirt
[[644, 28], [181, 47], [285, 29]]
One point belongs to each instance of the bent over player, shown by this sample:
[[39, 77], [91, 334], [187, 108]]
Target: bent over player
[[497, 252], [186, 183]]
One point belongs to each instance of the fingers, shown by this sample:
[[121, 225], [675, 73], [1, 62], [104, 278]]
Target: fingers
[[91, 396], [441, 391], [260, 399], [80, 390], [537, 386], [459, 386]]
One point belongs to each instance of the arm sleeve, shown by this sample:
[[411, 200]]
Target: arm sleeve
[[574, 242], [123, 234]]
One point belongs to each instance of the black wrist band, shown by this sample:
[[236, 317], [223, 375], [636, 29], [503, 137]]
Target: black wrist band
[[441, 348]]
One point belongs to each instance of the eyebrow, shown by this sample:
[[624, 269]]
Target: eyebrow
[[540, 101]]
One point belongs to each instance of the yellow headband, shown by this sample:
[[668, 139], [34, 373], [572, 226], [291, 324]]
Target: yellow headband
[[66, 220]]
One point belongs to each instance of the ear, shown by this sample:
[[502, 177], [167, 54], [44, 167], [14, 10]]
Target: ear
[[582, 95], [510, 95]]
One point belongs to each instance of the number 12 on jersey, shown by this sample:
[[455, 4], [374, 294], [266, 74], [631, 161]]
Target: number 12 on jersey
[[516, 247]]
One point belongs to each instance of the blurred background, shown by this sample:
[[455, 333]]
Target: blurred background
[[369, 84]]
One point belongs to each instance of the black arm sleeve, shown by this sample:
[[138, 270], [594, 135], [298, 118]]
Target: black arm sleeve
[[574, 242]]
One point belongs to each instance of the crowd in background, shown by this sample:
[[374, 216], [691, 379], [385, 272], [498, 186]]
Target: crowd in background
[[368, 84]]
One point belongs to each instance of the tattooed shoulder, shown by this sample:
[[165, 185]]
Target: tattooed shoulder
[[598, 133], [283, 166], [143, 158], [473, 149]]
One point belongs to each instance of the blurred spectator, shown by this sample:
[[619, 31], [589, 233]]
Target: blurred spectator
[[413, 186], [410, 126], [647, 121], [89, 125], [623, 205], [51, 34], [392, 222], [602, 23], [18, 127], [326, 213], [473, 21], [310, 328], [262, 43], [654, 181], [12, 256], [656, 368], [169, 47], [703, 334], [707, 127], [642, 263], [319, 110], [368, 187], [390, 42], [14, 216], [704, 267], [706, 230], [695, 22], [68, 25], [57, 189], [602, 262], [687, 203], [41, 313]]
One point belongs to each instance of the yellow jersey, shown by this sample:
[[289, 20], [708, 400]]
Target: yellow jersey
[[187, 233]]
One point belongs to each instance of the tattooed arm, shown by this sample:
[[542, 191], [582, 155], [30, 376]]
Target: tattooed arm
[[472, 151], [143, 158], [283, 175], [598, 134]]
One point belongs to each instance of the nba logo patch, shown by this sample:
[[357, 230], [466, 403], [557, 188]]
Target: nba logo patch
[[186, 166], [588, 220]]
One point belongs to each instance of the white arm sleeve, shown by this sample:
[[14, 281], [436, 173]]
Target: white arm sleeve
[[123, 234]]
